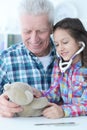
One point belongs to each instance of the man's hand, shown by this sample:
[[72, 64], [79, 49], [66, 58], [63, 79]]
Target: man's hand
[[7, 108]]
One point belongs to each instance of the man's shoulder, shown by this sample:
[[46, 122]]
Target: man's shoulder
[[12, 49]]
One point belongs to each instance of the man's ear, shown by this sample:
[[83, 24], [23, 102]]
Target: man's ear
[[51, 29]]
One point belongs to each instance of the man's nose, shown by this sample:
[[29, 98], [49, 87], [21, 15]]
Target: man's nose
[[34, 37]]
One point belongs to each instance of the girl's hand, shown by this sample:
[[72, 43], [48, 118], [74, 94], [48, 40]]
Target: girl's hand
[[36, 93], [53, 111]]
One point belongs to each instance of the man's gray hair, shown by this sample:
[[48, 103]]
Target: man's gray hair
[[37, 7]]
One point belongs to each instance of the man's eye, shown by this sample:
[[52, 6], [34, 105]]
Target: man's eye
[[28, 32], [42, 31]]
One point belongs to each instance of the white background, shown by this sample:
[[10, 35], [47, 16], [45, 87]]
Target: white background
[[8, 12]]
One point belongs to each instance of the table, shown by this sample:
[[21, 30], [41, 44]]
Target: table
[[20, 123]]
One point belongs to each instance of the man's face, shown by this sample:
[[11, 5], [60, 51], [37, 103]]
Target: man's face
[[36, 32]]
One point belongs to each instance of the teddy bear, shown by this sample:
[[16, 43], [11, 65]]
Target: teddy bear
[[22, 94]]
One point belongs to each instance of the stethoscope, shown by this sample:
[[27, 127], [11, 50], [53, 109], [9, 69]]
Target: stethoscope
[[63, 67]]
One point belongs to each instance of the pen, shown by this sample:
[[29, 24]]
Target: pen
[[60, 123]]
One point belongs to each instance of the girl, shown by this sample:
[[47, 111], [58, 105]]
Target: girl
[[70, 70]]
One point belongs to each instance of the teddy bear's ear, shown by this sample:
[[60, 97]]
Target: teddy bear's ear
[[29, 96], [6, 86], [39, 103]]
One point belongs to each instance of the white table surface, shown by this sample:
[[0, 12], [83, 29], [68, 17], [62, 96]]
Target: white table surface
[[19, 123]]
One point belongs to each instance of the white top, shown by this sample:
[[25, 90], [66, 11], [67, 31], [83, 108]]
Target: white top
[[45, 60], [19, 123]]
